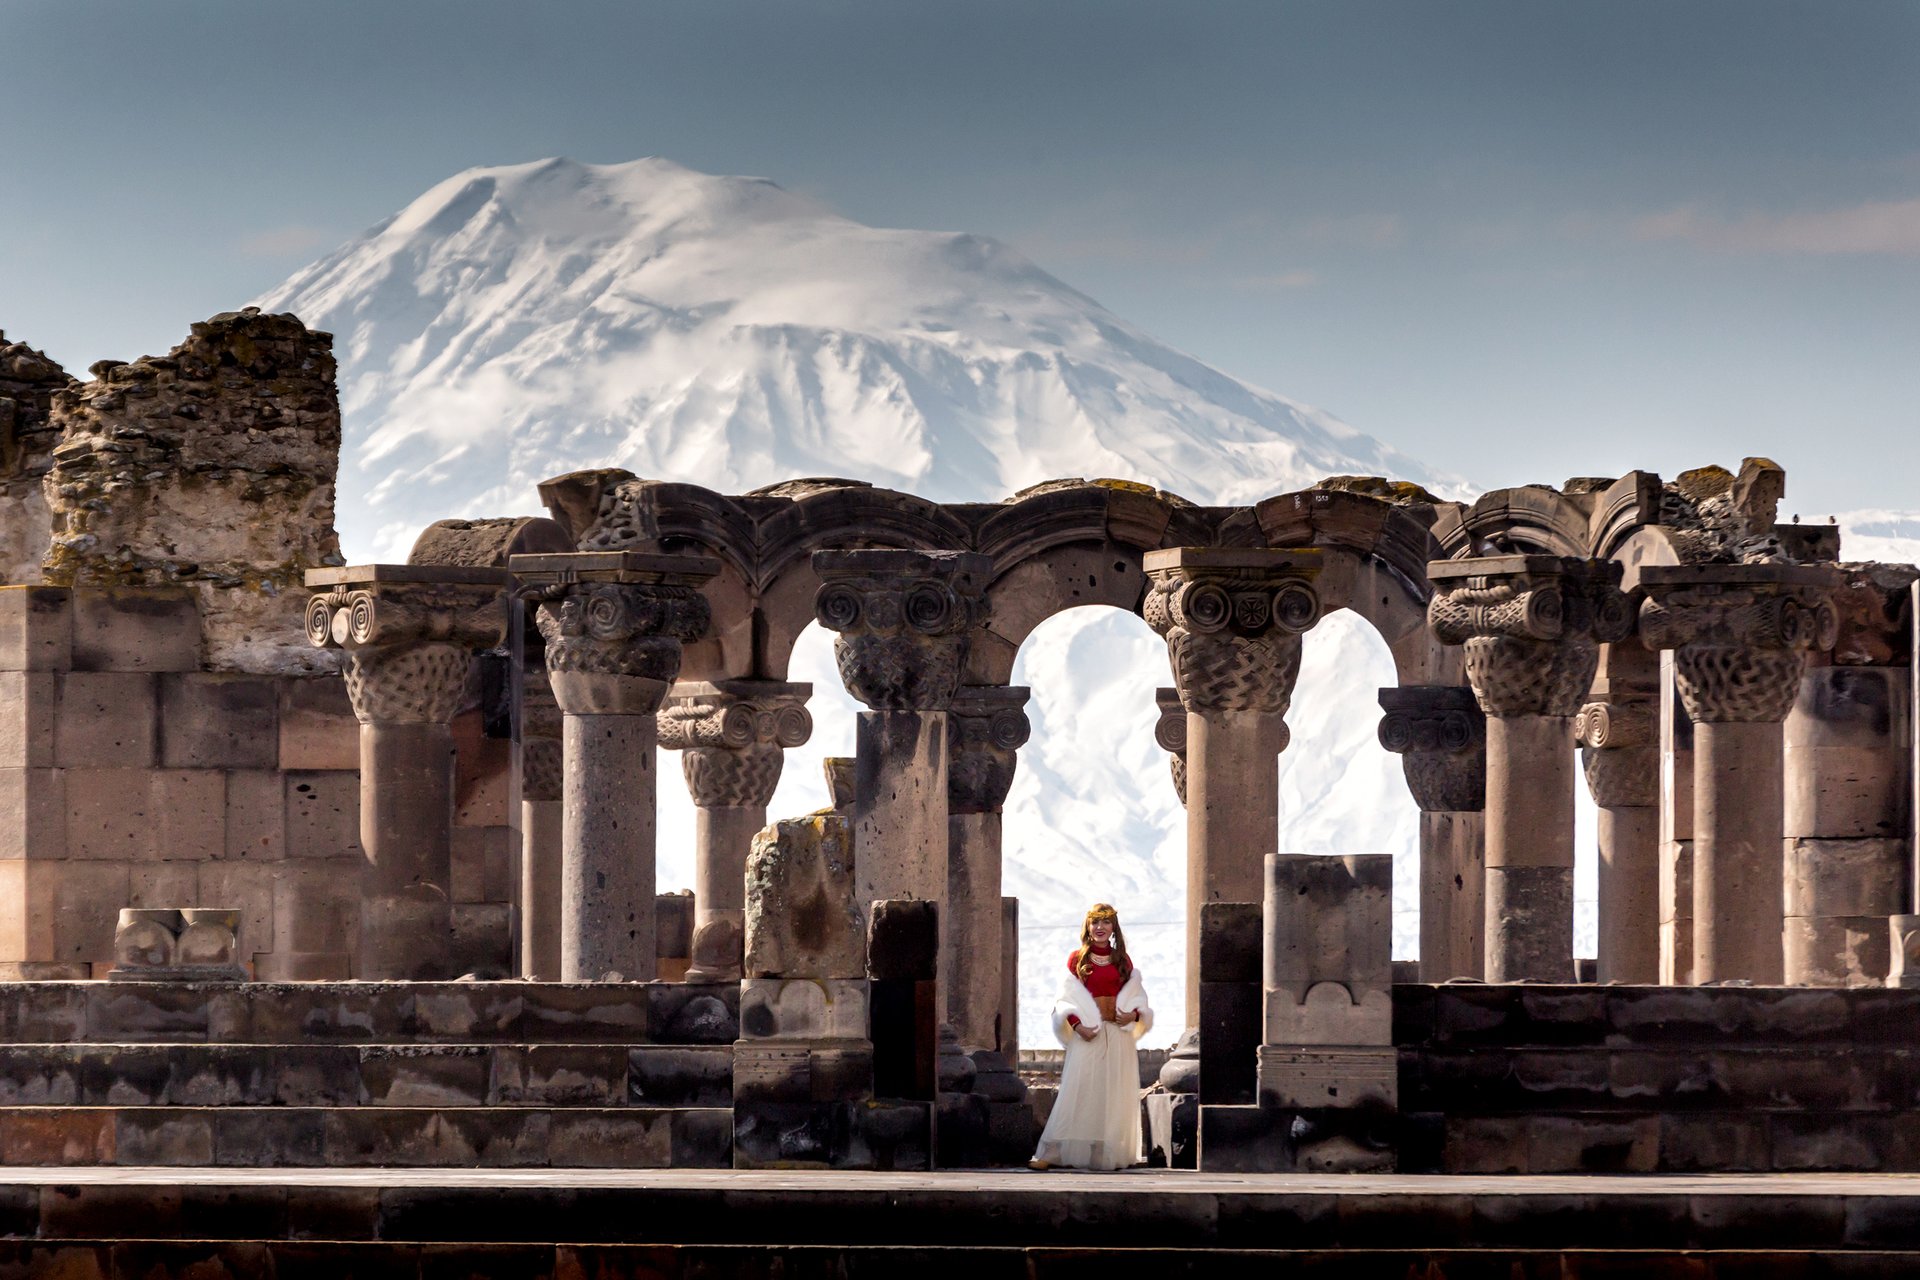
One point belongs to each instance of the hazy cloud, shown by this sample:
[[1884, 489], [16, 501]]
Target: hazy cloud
[[278, 242], [1279, 282], [1878, 226]]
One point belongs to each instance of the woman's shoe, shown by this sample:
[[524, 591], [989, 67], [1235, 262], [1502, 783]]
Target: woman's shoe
[[1039, 1165]]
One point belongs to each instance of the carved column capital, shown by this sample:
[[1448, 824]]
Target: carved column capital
[[901, 620], [986, 727], [1619, 737], [613, 623], [1531, 625], [1739, 633], [407, 634], [1440, 733], [1232, 618], [733, 736], [1170, 731]]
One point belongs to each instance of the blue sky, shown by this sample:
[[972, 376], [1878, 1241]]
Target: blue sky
[[1523, 241]]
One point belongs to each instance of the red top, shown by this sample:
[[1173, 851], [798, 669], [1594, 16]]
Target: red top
[[1101, 979]]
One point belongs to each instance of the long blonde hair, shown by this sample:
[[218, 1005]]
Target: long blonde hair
[[1101, 911]]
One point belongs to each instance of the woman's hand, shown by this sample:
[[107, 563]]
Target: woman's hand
[[1086, 1032], [1124, 1016]]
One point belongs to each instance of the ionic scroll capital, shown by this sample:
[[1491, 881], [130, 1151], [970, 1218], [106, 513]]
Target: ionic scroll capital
[[1232, 618], [407, 633], [1170, 731], [1440, 734], [614, 623], [987, 726], [901, 620], [733, 736]]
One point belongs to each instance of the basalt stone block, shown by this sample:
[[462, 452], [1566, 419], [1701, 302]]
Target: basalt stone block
[[1577, 1143], [219, 721], [1713, 1143], [1297, 1140], [679, 1077], [995, 1079], [598, 1013], [694, 1013], [106, 720], [36, 629], [80, 1135], [960, 1132], [1012, 1132], [1172, 1130], [550, 1075], [323, 815], [779, 1008], [1231, 938], [702, 1138], [780, 1072], [788, 1135], [42, 1012], [1327, 1077], [317, 726], [135, 629], [1847, 792], [33, 1075], [472, 1137], [903, 941], [462, 1011], [163, 1137], [147, 1012], [1230, 1036], [426, 1075], [673, 925], [631, 1139], [482, 938], [896, 1135], [269, 1137], [318, 1076]]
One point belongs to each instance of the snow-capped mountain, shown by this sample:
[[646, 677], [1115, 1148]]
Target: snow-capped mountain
[[519, 322]]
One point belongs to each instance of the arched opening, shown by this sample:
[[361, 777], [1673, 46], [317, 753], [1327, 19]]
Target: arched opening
[[1340, 791], [803, 784], [1093, 814]]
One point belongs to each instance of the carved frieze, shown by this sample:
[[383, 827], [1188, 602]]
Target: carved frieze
[[1232, 618], [408, 633], [986, 727], [733, 737], [1440, 734], [901, 620], [1739, 633], [1531, 625]]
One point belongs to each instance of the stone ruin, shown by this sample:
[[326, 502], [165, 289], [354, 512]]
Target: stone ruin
[[439, 779]]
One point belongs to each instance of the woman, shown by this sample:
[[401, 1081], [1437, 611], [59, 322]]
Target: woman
[[1101, 1014]]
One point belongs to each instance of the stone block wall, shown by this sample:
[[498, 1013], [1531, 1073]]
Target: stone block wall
[[131, 777], [1643, 1079]]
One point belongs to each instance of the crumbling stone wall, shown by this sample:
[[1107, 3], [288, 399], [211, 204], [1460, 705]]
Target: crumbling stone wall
[[210, 467], [28, 381]]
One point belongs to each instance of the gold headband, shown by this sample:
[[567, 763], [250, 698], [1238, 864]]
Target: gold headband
[[1103, 912]]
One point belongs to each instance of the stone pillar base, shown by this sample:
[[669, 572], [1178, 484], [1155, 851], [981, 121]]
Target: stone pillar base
[[1298, 1140]]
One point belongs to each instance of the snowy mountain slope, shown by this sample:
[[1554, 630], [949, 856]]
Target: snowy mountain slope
[[516, 323]]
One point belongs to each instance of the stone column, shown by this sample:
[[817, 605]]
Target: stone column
[[733, 736], [408, 632], [1622, 764], [1170, 731], [985, 731], [542, 821], [1440, 734], [613, 622], [1676, 832], [1740, 635], [1232, 618], [1531, 626], [901, 619]]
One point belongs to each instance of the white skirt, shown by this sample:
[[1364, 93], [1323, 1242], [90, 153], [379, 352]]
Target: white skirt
[[1096, 1118]]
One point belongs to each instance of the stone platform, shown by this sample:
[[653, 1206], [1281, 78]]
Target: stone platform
[[457, 1074], [215, 1223]]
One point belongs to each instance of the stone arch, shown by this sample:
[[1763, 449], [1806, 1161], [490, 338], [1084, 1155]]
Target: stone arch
[[1528, 519]]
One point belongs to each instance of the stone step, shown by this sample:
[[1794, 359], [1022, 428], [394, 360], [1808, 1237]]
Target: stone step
[[397, 1137], [334, 1075], [369, 1012]]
